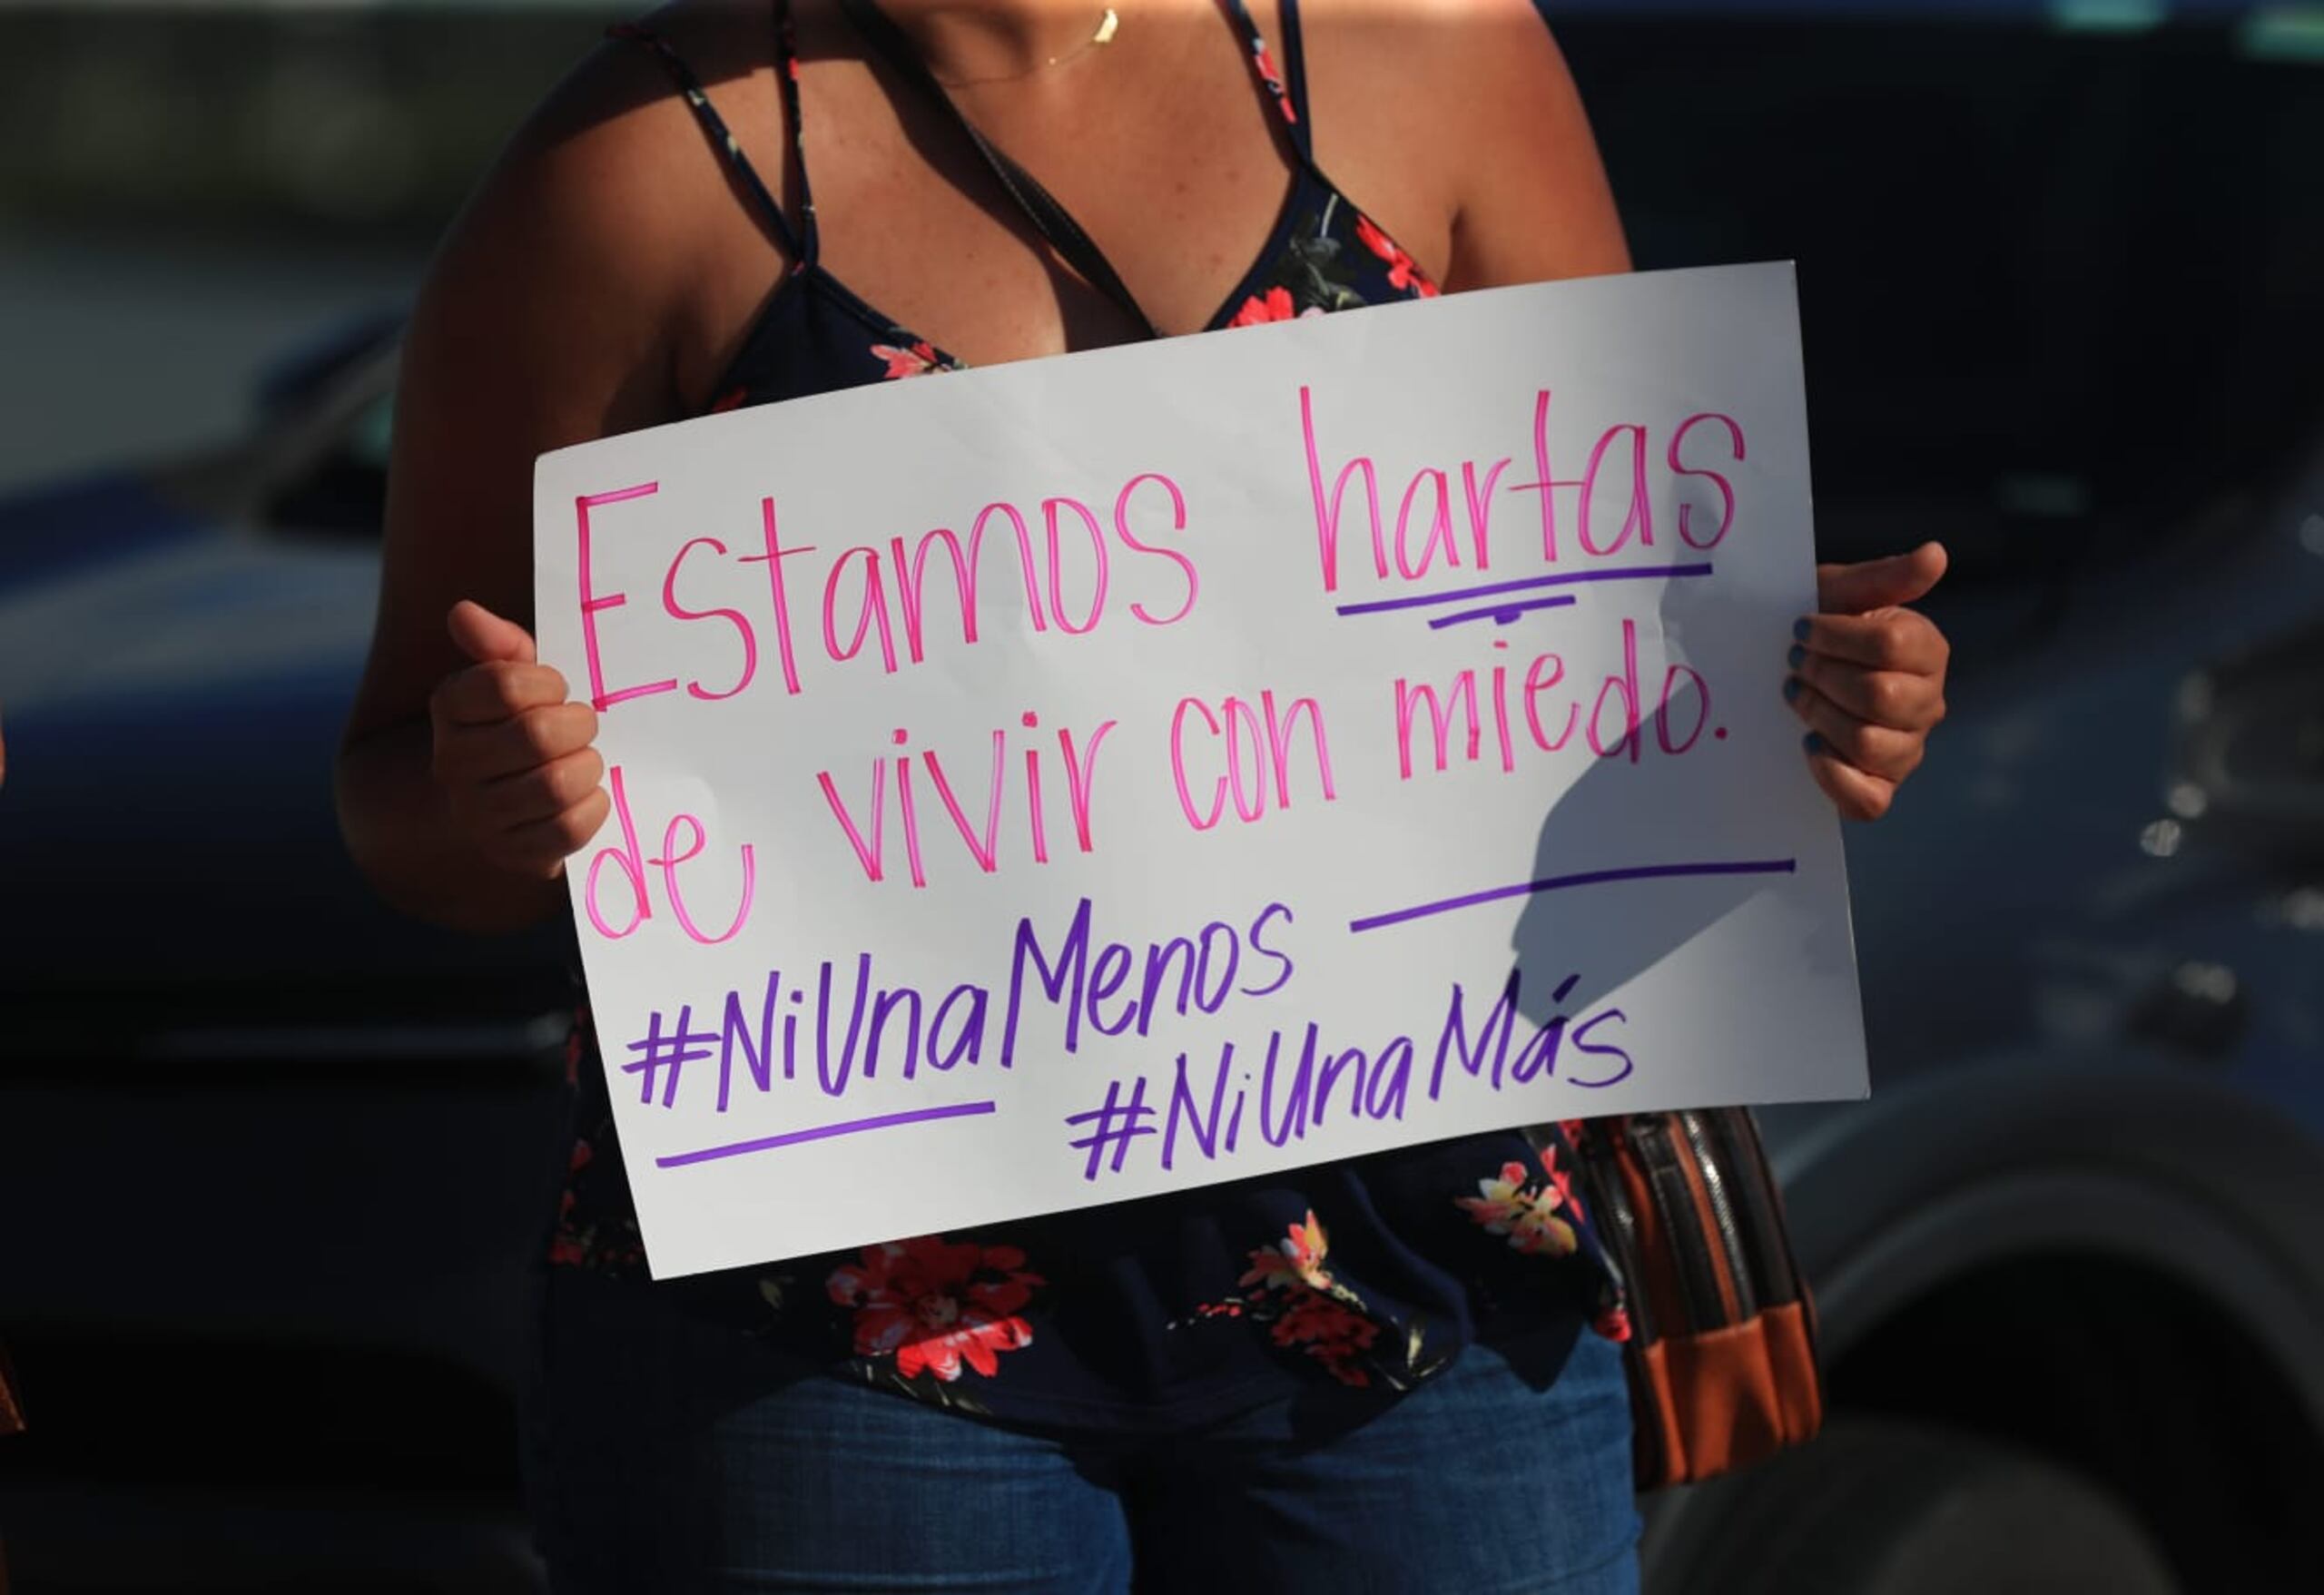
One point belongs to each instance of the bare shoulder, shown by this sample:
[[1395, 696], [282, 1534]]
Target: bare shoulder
[[1427, 34], [1478, 93], [558, 302], [551, 315]]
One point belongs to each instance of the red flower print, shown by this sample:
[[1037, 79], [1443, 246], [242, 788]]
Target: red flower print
[[1329, 1330], [1273, 305], [567, 1249], [1304, 1308], [1402, 271], [570, 1248], [936, 1304], [1273, 80], [1314, 1316], [1510, 1205], [1613, 1323], [1564, 1181], [1294, 1261], [917, 359]]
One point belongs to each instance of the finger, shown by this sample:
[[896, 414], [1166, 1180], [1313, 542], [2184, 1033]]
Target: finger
[[1876, 750], [542, 847], [485, 637], [1857, 794], [1884, 697], [471, 753], [1873, 583], [1888, 639], [485, 694], [540, 792]]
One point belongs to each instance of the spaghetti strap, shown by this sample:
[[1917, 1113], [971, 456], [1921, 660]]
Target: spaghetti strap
[[786, 87], [1287, 88], [799, 243]]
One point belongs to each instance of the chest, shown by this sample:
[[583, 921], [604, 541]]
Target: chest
[[1175, 163]]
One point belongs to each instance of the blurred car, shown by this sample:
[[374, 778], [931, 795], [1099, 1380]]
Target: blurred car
[[272, 1160], [275, 1163]]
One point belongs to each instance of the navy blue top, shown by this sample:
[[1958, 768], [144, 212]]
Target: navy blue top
[[1373, 1273]]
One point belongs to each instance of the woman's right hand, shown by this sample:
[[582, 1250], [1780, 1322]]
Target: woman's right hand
[[512, 752]]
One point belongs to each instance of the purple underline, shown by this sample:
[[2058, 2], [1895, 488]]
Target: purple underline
[[820, 1132], [1559, 882], [1526, 585], [1502, 614]]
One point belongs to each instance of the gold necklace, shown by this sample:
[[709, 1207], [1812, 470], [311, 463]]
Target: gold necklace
[[1107, 25]]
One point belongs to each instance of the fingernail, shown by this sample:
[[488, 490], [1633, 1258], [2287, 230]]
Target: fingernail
[[1799, 629], [1797, 658], [1813, 741], [1791, 689]]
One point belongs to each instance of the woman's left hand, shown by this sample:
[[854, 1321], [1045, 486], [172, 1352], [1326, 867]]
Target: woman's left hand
[[1868, 674]]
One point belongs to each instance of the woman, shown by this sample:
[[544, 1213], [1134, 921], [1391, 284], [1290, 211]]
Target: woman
[[1392, 1374]]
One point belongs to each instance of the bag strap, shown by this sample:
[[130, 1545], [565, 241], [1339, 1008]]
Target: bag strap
[[1049, 218]]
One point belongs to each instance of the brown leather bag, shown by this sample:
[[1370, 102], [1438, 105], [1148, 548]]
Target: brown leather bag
[[1722, 1347]]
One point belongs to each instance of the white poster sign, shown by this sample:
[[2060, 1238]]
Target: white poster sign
[[1076, 779]]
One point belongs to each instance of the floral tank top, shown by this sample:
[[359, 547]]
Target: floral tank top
[[1165, 1310]]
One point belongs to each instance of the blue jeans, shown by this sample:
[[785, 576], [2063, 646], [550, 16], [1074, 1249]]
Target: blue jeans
[[678, 1457]]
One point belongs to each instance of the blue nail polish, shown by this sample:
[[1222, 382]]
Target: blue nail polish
[[1791, 689], [1799, 629], [1797, 658], [1814, 742]]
